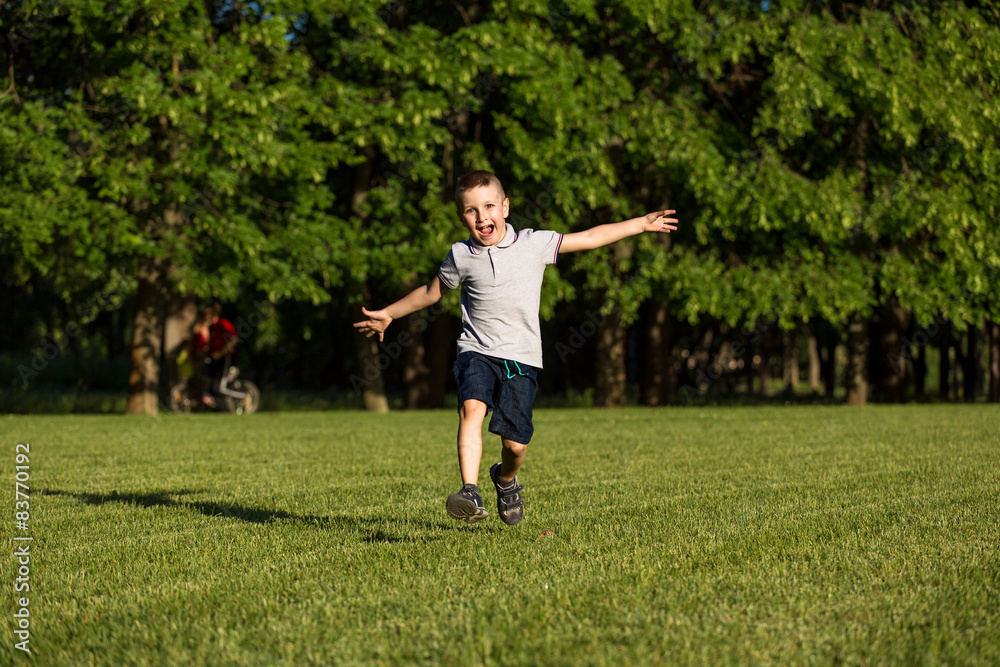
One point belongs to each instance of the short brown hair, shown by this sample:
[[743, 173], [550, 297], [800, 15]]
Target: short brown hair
[[478, 179]]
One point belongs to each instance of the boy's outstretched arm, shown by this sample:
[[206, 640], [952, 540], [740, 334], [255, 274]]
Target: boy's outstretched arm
[[602, 235], [378, 320]]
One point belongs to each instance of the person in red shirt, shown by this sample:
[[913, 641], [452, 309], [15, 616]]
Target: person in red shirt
[[222, 336], [214, 341]]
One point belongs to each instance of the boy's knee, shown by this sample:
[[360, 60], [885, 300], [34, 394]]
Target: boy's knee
[[515, 447], [472, 409]]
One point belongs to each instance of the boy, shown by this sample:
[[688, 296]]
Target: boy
[[500, 348]]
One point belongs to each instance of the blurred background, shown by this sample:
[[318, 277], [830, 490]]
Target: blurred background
[[835, 167]]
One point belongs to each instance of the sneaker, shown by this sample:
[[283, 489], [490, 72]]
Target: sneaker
[[466, 505], [509, 503]]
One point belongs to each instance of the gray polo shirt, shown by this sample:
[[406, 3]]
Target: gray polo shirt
[[501, 291]]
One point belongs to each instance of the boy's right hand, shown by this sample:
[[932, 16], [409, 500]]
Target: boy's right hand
[[377, 322]]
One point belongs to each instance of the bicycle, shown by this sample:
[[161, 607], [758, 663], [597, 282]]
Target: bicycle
[[235, 395]]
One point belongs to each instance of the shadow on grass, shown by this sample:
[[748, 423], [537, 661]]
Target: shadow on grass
[[372, 531]]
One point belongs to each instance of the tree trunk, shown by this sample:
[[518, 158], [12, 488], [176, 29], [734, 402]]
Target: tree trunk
[[181, 313], [891, 353], [427, 358], [416, 375], [791, 370], [72, 342], [609, 386], [371, 384], [994, 337], [956, 368], [829, 366], [748, 367], [114, 335], [147, 339], [944, 363], [655, 374], [856, 376], [920, 371], [439, 348], [371, 364], [970, 364], [815, 372], [764, 372], [767, 351], [984, 336]]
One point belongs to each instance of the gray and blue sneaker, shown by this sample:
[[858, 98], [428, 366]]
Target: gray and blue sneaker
[[466, 505], [509, 503]]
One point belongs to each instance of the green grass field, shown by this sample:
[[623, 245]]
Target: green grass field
[[652, 536]]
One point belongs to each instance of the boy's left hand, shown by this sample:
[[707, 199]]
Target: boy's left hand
[[658, 221]]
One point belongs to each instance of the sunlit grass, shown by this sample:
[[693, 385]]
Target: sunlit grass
[[652, 536]]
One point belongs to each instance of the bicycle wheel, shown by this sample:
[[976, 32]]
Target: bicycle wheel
[[179, 400], [246, 405]]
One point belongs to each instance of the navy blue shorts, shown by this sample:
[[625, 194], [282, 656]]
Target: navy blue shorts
[[506, 387]]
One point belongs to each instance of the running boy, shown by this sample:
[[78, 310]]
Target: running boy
[[500, 347]]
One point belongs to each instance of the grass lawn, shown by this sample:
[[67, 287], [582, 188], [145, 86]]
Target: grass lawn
[[652, 536]]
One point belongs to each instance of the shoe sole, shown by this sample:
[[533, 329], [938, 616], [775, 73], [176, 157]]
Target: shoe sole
[[461, 508]]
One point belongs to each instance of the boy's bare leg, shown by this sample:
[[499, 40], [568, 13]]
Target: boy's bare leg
[[467, 504], [470, 439], [511, 457]]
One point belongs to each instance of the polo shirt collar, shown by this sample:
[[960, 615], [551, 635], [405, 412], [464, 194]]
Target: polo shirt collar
[[507, 240]]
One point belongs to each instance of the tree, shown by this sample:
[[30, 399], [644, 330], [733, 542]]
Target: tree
[[854, 189], [185, 127], [834, 167]]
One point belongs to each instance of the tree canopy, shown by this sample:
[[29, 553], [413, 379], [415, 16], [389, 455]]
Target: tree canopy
[[825, 158]]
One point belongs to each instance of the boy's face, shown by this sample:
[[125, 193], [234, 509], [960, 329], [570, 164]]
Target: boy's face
[[483, 212]]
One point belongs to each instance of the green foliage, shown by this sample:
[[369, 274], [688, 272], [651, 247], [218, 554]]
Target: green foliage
[[822, 158], [869, 128], [177, 134]]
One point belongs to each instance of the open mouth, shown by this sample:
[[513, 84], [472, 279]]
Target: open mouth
[[486, 231]]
